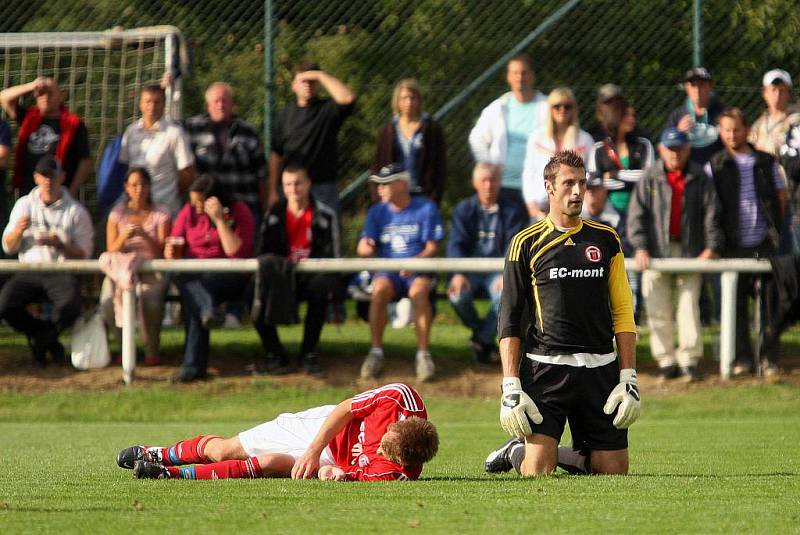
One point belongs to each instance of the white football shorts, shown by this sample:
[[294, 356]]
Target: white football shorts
[[289, 433]]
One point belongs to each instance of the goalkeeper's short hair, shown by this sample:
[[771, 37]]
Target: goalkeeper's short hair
[[416, 441]]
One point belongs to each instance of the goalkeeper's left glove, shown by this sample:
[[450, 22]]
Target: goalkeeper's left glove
[[624, 398]]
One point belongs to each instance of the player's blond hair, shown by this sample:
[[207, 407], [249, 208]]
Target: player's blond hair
[[414, 441]]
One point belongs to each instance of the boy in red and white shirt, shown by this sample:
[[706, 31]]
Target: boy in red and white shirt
[[380, 434]]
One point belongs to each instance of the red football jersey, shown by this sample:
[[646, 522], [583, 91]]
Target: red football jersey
[[298, 234], [355, 447]]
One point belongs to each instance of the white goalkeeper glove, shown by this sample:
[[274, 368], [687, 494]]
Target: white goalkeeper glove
[[515, 408], [625, 398]]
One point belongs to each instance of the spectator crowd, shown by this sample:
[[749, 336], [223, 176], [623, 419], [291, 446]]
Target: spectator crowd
[[709, 185]]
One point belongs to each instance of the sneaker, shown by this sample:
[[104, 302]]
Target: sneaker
[[741, 369], [667, 373], [690, 374], [186, 375], [146, 470], [500, 459], [425, 366], [310, 364], [373, 364], [127, 458], [770, 369], [213, 318], [273, 364]]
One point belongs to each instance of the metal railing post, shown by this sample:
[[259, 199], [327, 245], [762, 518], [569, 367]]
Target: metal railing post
[[727, 324], [129, 334]]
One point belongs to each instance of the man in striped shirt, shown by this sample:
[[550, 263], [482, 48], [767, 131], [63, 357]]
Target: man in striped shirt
[[752, 191], [379, 435]]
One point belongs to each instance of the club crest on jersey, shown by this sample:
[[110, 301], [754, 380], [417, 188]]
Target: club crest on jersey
[[593, 253]]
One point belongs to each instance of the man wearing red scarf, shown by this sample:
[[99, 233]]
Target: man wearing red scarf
[[47, 128]]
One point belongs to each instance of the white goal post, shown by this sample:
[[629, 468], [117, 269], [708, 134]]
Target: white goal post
[[100, 73]]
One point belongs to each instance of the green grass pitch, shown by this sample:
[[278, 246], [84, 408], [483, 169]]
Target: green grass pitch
[[720, 460]]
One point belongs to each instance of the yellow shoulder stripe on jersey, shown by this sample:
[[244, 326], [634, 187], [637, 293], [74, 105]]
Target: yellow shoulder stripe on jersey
[[547, 246], [521, 236], [601, 226]]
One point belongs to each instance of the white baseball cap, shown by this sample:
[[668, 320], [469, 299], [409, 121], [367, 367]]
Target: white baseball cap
[[777, 76]]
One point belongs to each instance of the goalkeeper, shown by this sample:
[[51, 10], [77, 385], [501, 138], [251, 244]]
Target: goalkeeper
[[570, 273]]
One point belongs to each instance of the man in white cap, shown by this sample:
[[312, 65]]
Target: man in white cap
[[768, 132]]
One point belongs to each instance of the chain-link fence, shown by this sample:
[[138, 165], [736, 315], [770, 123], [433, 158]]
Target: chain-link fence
[[644, 46]]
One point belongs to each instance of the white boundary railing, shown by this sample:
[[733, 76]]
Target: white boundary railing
[[729, 268]]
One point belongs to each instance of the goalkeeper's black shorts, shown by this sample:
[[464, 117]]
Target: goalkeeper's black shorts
[[575, 395]]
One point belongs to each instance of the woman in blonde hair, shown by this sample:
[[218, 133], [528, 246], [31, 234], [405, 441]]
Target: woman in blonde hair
[[414, 140], [561, 132]]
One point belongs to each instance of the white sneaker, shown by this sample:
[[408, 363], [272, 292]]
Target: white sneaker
[[425, 366], [372, 365]]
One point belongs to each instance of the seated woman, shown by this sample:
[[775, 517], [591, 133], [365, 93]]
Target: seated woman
[[562, 132], [136, 225], [212, 225], [414, 140]]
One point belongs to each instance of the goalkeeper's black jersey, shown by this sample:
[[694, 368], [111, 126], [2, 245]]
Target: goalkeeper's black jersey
[[574, 284]]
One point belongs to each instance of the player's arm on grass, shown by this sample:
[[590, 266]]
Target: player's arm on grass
[[625, 397], [517, 409], [307, 465]]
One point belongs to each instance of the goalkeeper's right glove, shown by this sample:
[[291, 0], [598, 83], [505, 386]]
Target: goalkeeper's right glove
[[515, 408]]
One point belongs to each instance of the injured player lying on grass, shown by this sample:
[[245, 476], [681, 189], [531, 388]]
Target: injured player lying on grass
[[378, 435]]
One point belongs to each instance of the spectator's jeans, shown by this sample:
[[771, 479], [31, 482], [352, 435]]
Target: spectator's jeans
[[657, 292], [150, 290], [25, 288], [317, 290], [483, 330], [200, 294], [744, 290]]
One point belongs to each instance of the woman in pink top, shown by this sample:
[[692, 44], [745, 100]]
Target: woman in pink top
[[136, 225], [212, 225]]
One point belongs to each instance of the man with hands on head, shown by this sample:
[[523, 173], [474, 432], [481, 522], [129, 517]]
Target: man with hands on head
[[570, 273], [305, 132], [47, 128], [381, 434]]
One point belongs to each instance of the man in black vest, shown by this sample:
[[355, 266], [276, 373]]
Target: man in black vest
[[752, 192]]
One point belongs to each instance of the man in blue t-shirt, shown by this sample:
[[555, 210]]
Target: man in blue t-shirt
[[400, 226]]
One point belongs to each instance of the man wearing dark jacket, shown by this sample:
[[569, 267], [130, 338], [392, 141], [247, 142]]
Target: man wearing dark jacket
[[752, 191], [298, 227], [481, 227], [674, 212]]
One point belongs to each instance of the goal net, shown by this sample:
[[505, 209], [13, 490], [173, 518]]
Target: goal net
[[100, 74]]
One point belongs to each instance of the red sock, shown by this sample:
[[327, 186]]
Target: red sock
[[246, 469], [189, 451]]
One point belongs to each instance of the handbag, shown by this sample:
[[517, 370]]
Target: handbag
[[89, 342]]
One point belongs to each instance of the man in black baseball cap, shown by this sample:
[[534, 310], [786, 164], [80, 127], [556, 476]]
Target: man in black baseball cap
[[698, 115]]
